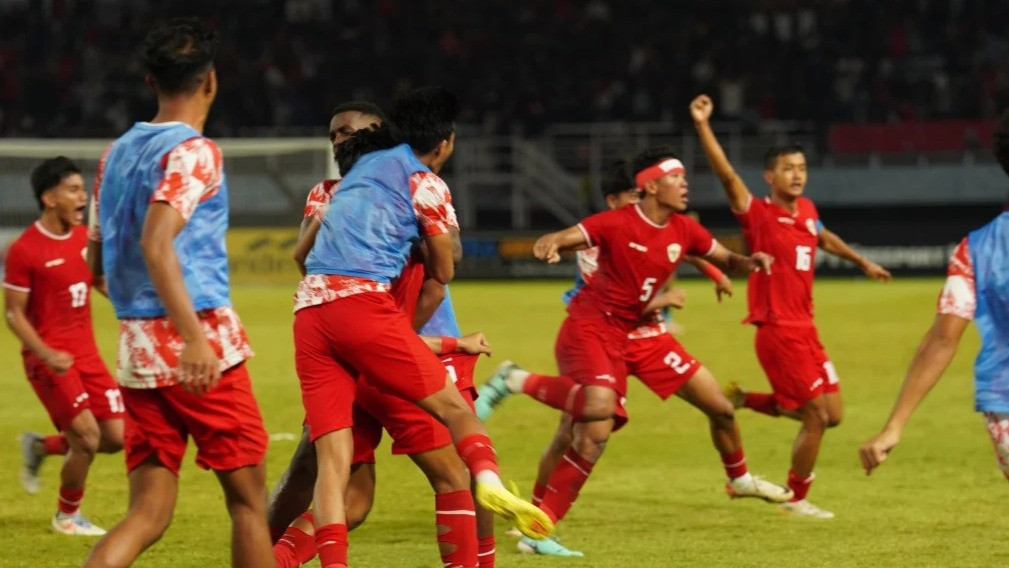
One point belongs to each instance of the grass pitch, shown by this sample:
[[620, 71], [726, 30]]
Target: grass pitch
[[656, 498]]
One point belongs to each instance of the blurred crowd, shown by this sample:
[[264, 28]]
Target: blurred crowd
[[68, 68]]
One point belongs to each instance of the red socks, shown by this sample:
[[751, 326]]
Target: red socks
[[538, 492], [734, 463], [70, 500], [565, 483], [799, 485], [763, 403], [562, 393], [486, 554], [332, 543], [477, 453], [295, 547], [455, 516], [55, 445]]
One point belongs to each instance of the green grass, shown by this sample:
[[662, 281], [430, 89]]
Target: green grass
[[656, 498]]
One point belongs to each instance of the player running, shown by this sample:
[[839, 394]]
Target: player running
[[47, 297], [661, 363], [786, 225], [162, 202], [977, 288]]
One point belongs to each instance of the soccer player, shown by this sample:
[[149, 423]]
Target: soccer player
[[977, 288], [786, 225], [159, 237], [347, 322], [657, 359], [47, 297]]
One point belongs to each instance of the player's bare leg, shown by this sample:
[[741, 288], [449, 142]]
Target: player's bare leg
[[83, 438], [476, 450], [334, 451], [111, 436], [804, 453], [245, 497], [702, 392], [585, 403], [455, 514], [765, 404], [292, 495], [153, 491], [835, 408], [563, 437], [360, 496]]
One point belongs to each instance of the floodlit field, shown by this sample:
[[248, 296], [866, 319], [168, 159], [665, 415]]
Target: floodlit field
[[656, 499]]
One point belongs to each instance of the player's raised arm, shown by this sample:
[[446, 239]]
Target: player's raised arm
[[737, 192], [835, 245], [549, 246], [934, 354], [758, 261]]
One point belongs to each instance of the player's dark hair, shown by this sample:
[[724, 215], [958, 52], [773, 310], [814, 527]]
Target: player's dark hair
[[617, 179], [178, 53], [651, 156], [49, 174], [775, 152], [363, 107], [363, 142], [1000, 140], [425, 117]]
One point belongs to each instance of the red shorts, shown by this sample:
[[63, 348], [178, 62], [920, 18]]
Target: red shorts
[[225, 424], [412, 430], [592, 352], [87, 385], [661, 363], [360, 335], [795, 364]]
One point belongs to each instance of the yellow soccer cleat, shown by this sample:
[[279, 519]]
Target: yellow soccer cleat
[[529, 519]]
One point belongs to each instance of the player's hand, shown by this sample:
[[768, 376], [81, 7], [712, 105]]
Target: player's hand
[[762, 262], [546, 249], [701, 108], [674, 298], [199, 367], [723, 286], [875, 451], [100, 285], [59, 361], [876, 272], [474, 344]]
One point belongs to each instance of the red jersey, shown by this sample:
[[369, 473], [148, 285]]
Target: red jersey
[[636, 258], [53, 271], [785, 296]]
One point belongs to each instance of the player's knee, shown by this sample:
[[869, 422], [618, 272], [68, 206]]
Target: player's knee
[[599, 408], [834, 420], [722, 417], [110, 442], [85, 440], [357, 513], [590, 448]]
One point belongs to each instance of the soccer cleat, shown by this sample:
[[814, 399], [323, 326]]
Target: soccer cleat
[[804, 508], [735, 393], [494, 391], [547, 547], [31, 462], [756, 486], [529, 519], [75, 524]]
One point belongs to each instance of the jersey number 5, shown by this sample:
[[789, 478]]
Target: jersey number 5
[[647, 289], [803, 257], [78, 294]]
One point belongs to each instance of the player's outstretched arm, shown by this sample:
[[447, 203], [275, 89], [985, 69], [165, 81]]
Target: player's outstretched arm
[[934, 354], [737, 192], [199, 367], [472, 344], [439, 261], [548, 247], [671, 298], [306, 240], [830, 242], [432, 293], [15, 304], [723, 284], [733, 262]]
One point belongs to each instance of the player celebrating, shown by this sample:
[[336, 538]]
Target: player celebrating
[[347, 323], [162, 202], [661, 363], [786, 225], [977, 288], [47, 296]]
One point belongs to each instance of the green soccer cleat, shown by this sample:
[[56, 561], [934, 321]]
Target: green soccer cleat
[[494, 391], [547, 547]]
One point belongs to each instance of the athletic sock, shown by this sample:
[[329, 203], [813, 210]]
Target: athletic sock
[[559, 392], [565, 483], [331, 541], [486, 551], [799, 485], [55, 445], [538, 492], [70, 500], [763, 403], [477, 452], [295, 547], [455, 516], [734, 464]]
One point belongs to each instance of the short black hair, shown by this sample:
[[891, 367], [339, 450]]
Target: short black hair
[[49, 174], [1000, 141], [363, 142], [363, 107], [425, 116], [617, 179], [775, 152], [178, 53], [651, 156]]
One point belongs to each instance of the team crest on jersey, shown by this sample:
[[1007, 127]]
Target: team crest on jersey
[[811, 226], [673, 251]]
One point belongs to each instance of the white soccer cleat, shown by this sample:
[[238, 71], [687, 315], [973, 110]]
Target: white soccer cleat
[[30, 463], [804, 508], [75, 524], [756, 486]]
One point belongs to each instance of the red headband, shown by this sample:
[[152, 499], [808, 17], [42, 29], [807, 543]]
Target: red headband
[[663, 168]]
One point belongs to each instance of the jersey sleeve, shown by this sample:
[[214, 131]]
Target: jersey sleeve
[[700, 242], [751, 215], [598, 227], [959, 295], [18, 269], [319, 198], [432, 202], [94, 225], [193, 174]]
